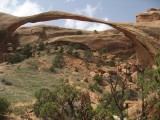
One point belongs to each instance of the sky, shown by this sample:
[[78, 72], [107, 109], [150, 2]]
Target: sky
[[109, 10]]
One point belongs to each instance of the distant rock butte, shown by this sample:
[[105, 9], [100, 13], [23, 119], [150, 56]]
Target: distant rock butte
[[152, 14], [139, 33]]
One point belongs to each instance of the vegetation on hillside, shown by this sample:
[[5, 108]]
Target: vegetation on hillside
[[63, 101], [4, 107]]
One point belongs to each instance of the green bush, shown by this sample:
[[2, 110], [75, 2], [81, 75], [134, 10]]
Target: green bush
[[88, 55], [48, 110], [98, 78], [61, 50], [108, 103], [86, 80], [70, 50], [50, 104], [95, 31], [101, 51], [95, 87], [130, 78], [27, 51], [157, 105], [79, 32], [4, 106], [56, 45], [131, 94], [52, 68], [102, 113], [33, 63], [41, 46], [76, 46], [15, 58], [76, 54], [58, 61], [111, 63]]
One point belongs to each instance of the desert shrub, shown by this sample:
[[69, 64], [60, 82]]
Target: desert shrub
[[86, 80], [61, 50], [50, 104], [15, 58], [130, 78], [33, 63], [87, 114], [27, 51], [101, 51], [58, 61], [111, 63], [157, 61], [70, 50], [76, 54], [4, 106], [131, 94], [102, 114], [91, 87], [88, 54], [52, 68], [41, 46], [64, 102], [108, 103], [95, 87], [56, 46], [95, 31], [123, 57], [76, 46], [98, 65], [49, 110], [79, 32], [98, 78]]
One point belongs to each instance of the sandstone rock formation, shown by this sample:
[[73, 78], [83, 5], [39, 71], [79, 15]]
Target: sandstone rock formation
[[111, 40], [142, 41], [152, 14]]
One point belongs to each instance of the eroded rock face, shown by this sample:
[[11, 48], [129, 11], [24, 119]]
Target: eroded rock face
[[111, 40], [142, 41], [152, 14]]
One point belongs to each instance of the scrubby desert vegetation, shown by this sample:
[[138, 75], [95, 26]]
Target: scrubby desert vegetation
[[54, 83], [53, 73]]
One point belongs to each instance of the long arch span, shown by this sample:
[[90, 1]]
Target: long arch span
[[145, 51]]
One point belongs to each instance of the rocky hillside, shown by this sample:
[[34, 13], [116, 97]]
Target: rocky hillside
[[112, 40], [98, 63]]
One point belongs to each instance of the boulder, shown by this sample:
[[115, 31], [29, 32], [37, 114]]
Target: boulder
[[134, 77], [92, 74]]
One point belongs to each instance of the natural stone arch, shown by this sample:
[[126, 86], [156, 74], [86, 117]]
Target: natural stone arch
[[144, 49]]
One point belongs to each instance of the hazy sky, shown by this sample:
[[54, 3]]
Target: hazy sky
[[112, 10]]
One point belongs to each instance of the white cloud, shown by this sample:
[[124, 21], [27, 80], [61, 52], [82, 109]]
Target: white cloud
[[25, 9], [14, 8], [70, 23], [88, 11], [99, 27]]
